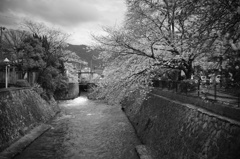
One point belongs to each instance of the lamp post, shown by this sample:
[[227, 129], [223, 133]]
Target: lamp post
[[6, 61]]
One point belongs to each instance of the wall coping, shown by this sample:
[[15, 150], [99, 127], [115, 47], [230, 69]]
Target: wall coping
[[202, 110], [13, 89]]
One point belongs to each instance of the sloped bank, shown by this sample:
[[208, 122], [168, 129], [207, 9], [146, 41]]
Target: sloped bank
[[178, 130], [20, 111]]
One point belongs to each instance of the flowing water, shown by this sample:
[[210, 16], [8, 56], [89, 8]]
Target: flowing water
[[85, 129]]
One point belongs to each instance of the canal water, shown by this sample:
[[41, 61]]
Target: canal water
[[85, 129]]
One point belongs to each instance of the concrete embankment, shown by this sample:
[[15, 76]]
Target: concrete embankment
[[20, 111], [178, 130]]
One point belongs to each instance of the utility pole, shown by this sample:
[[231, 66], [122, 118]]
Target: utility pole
[[1, 29]]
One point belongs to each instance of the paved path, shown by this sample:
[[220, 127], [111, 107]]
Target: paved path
[[220, 96], [86, 130]]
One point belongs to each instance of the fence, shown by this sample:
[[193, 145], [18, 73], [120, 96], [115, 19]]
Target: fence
[[14, 75], [211, 92]]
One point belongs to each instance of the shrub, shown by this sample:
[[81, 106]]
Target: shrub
[[45, 95], [61, 89], [188, 85], [22, 83], [53, 82], [37, 88]]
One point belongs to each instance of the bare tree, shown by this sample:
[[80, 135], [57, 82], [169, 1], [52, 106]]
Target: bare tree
[[12, 43], [56, 38]]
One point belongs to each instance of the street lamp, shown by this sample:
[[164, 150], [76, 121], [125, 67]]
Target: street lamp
[[6, 61]]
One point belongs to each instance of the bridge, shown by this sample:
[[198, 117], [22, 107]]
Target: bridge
[[86, 79]]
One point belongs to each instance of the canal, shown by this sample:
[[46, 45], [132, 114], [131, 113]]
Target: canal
[[85, 129]]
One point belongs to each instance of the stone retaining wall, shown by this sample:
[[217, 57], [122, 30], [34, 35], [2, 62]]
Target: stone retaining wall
[[21, 110], [182, 131]]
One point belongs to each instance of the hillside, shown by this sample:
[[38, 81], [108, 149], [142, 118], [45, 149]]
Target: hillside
[[86, 55]]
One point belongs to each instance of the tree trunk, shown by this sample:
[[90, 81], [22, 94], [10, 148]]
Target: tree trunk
[[189, 69], [188, 74]]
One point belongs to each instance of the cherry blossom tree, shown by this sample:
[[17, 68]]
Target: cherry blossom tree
[[165, 36]]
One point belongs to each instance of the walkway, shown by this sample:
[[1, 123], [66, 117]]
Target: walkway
[[221, 96], [86, 130]]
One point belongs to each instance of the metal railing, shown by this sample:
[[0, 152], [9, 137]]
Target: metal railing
[[211, 92]]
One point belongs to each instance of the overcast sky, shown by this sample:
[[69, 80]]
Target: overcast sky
[[80, 18]]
